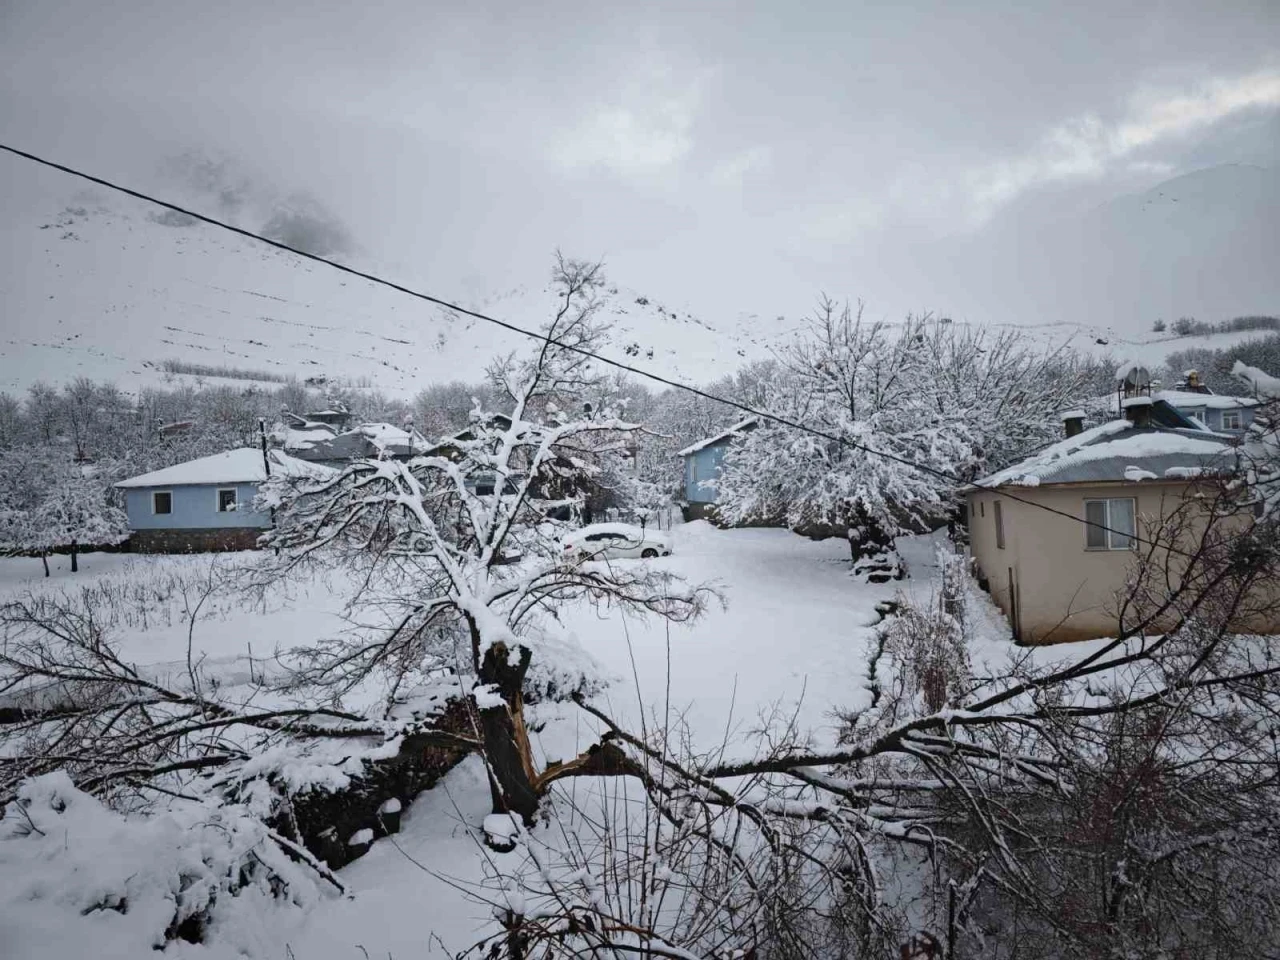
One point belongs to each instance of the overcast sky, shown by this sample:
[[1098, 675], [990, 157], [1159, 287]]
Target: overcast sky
[[736, 158]]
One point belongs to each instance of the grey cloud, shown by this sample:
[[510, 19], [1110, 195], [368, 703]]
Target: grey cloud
[[732, 157]]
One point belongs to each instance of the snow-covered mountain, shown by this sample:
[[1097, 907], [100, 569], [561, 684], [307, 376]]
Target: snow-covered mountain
[[100, 285], [111, 288]]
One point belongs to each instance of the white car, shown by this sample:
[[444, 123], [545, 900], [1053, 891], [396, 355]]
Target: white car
[[612, 541]]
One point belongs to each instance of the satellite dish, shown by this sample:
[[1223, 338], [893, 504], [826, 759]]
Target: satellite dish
[[1139, 377], [1133, 377]]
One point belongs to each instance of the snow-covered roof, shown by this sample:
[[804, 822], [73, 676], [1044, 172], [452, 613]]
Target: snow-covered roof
[[386, 435], [306, 437], [702, 444], [1119, 450], [243, 465], [1072, 415], [366, 440], [1163, 413], [1209, 401]]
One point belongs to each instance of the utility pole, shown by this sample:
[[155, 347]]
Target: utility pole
[[262, 435]]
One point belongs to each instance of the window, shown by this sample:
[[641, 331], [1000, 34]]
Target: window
[[999, 524], [1230, 419], [227, 500], [1111, 526], [161, 501], [982, 507], [1197, 415]]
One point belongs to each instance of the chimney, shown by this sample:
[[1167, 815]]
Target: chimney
[[1137, 410], [1072, 422]]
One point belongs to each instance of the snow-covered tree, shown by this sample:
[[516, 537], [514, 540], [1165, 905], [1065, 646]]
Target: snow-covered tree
[[75, 512], [50, 504], [908, 412], [1009, 394], [458, 554], [10, 420], [860, 384], [53, 505], [44, 411]]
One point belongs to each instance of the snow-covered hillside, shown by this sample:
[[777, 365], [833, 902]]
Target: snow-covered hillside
[[110, 288], [99, 285]]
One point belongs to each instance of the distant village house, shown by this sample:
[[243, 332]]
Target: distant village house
[[702, 464], [202, 505]]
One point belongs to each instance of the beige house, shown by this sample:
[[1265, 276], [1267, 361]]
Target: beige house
[[1058, 578]]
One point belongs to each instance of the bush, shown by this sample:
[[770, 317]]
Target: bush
[[169, 877], [1187, 326]]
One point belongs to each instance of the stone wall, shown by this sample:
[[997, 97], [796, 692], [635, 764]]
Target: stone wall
[[194, 541]]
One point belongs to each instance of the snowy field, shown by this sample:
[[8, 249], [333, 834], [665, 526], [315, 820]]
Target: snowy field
[[788, 645], [789, 633], [788, 639]]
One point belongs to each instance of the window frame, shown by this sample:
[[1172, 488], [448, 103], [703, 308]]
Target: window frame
[[217, 499], [161, 513], [1234, 415], [998, 510], [1111, 529]]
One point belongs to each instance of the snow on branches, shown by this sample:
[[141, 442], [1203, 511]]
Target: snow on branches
[[52, 504], [460, 550], [77, 869], [912, 411]]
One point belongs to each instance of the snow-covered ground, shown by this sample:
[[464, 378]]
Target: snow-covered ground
[[791, 638], [789, 632]]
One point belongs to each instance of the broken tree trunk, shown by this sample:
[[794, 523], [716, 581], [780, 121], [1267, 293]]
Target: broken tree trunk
[[506, 740]]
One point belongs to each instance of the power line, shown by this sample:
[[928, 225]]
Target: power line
[[544, 338]]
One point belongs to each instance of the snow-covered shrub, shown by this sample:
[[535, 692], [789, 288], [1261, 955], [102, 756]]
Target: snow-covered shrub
[[91, 876], [921, 659], [601, 873], [927, 647]]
